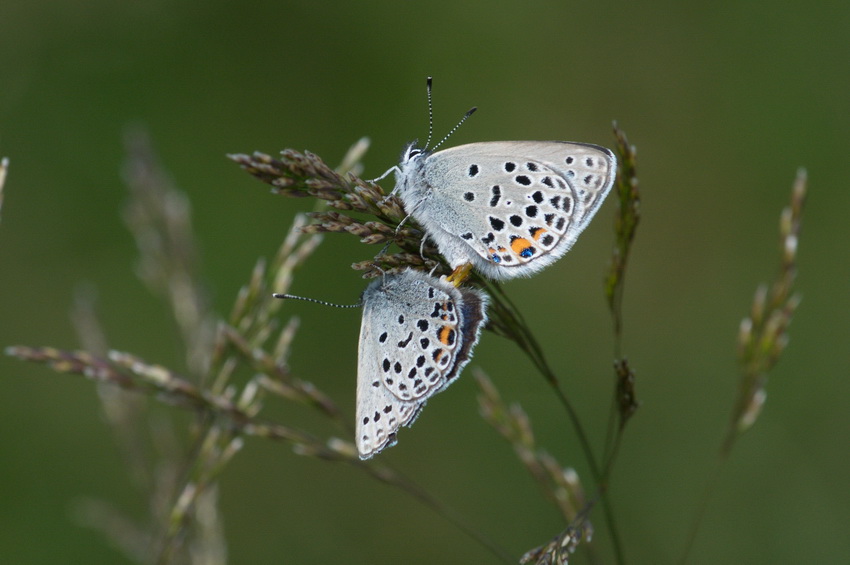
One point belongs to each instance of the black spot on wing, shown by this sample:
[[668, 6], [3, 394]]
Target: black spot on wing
[[496, 191]]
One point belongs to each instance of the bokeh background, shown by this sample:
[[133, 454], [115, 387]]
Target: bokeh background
[[724, 102]]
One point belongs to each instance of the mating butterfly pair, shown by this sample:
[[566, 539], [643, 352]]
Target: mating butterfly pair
[[505, 208]]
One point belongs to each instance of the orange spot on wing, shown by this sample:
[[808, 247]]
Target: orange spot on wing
[[519, 244], [445, 335], [538, 233]]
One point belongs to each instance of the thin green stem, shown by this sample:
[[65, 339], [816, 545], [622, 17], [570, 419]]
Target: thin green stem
[[702, 506], [514, 326], [392, 477]]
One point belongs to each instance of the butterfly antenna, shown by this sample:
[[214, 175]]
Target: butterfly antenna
[[463, 119], [430, 114], [322, 302]]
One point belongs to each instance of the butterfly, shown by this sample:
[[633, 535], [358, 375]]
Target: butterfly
[[416, 335], [508, 208]]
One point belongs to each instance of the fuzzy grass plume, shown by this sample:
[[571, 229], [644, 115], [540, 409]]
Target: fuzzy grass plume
[[763, 335], [352, 201], [4, 169], [762, 338]]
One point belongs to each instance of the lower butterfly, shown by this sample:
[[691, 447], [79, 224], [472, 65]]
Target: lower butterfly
[[416, 335]]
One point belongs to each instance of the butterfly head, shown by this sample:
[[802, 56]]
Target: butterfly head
[[411, 152]]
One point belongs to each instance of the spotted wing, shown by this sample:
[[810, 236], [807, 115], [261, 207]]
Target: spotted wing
[[523, 203], [416, 334]]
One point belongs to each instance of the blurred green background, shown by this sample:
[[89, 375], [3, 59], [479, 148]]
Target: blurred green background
[[723, 100]]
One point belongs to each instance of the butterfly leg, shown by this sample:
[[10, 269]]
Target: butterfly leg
[[382, 177], [395, 236], [398, 229], [383, 250], [393, 169]]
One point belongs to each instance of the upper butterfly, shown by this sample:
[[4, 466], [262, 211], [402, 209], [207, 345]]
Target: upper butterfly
[[510, 208]]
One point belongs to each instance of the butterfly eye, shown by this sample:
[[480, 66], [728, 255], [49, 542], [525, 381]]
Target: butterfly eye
[[410, 152]]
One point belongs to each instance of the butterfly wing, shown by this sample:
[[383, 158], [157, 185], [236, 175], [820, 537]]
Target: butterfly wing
[[512, 207], [416, 335]]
